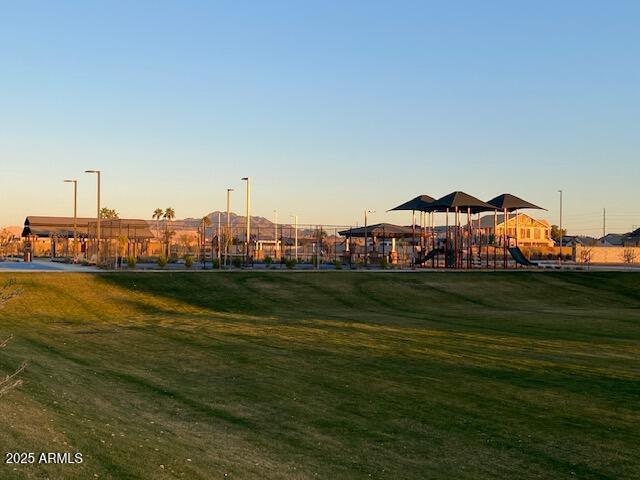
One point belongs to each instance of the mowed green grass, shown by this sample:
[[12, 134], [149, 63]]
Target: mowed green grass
[[325, 375]]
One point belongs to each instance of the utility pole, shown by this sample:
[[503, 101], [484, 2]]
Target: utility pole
[[604, 222], [75, 219], [97, 172]]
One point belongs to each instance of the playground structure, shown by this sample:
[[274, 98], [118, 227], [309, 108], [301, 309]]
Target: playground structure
[[466, 245]]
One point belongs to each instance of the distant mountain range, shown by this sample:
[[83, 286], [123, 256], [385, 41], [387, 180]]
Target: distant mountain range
[[14, 230], [234, 219], [239, 221]]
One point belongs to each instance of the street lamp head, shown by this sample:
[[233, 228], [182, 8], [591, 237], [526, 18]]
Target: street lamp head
[[244, 178], [70, 181], [92, 171], [229, 189]]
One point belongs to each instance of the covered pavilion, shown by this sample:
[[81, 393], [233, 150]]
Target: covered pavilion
[[382, 231], [54, 235]]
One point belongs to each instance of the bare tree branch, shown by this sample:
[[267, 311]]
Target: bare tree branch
[[8, 291], [6, 341]]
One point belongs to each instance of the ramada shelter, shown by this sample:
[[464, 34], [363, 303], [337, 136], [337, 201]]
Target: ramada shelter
[[54, 236]]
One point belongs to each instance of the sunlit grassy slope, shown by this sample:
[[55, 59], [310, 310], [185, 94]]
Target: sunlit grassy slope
[[325, 375]]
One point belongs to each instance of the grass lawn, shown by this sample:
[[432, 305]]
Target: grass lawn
[[324, 375]]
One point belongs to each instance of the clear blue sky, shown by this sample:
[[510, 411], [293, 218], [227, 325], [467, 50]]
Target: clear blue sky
[[331, 107]]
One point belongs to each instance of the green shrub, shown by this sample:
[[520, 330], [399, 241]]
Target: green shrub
[[162, 261], [188, 261], [337, 264], [384, 263], [236, 262], [216, 263], [290, 263], [131, 262], [268, 261]]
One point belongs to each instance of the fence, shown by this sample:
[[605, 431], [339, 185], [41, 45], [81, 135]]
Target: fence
[[221, 244], [218, 242], [607, 255]]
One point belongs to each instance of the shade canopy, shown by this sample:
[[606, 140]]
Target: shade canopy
[[420, 203], [43, 226], [382, 230], [133, 229], [509, 202], [460, 200]]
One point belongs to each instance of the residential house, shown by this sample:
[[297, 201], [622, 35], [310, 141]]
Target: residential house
[[531, 232], [582, 240], [612, 240], [632, 239]]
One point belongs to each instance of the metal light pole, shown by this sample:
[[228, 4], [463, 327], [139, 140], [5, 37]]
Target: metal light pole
[[366, 247], [248, 213], [560, 192], [295, 233], [75, 219], [275, 233], [219, 244], [97, 172], [227, 239]]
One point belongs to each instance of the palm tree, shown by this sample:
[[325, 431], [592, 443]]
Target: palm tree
[[108, 213], [169, 214], [157, 215]]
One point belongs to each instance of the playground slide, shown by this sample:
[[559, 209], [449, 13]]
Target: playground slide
[[430, 255], [519, 257]]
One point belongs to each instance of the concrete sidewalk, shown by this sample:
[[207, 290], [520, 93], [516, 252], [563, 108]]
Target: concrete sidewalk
[[44, 266]]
